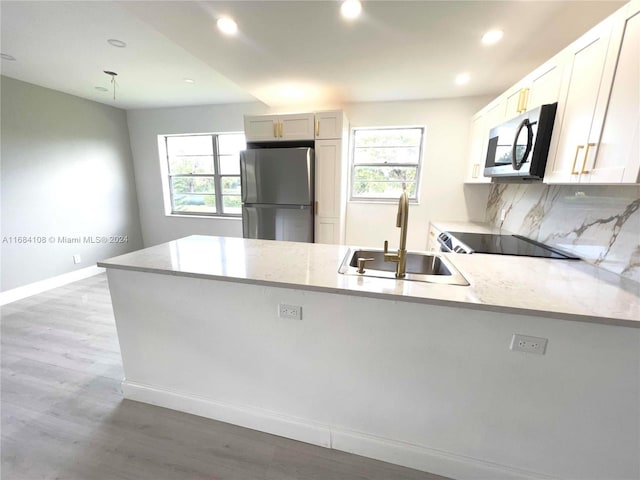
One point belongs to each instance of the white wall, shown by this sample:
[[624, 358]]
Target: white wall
[[66, 172], [442, 194]]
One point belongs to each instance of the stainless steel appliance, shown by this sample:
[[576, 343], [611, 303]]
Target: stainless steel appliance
[[277, 193], [518, 149], [465, 242]]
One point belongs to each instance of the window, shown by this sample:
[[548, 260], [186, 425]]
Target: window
[[386, 160], [204, 173]]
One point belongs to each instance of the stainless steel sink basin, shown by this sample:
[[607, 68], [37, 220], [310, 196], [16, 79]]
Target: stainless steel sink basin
[[421, 267]]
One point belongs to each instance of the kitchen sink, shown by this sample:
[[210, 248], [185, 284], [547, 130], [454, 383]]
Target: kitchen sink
[[421, 267]]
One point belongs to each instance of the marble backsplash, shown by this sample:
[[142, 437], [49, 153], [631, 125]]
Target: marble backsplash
[[600, 224]]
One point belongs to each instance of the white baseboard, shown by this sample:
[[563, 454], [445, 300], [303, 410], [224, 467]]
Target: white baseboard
[[48, 284], [400, 453]]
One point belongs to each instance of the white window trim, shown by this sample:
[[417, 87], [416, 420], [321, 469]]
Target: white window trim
[[381, 200], [166, 184]]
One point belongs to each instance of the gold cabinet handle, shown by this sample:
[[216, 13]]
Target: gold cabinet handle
[[519, 106], [525, 99], [275, 129], [281, 129], [317, 128], [575, 159], [586, 154]]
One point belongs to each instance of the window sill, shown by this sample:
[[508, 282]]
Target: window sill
[[381, 201], [210, 217]]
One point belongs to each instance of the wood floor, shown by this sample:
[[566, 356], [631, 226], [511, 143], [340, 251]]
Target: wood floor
[[63, 415]]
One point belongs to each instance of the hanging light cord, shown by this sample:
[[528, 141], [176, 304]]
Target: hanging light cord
[[113, 76]]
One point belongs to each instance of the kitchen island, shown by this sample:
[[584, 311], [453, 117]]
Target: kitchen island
[[412, 373]]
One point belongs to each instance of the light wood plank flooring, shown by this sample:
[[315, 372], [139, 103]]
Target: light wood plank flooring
[[63, 415]]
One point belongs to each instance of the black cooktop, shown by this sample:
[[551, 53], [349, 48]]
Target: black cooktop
[[506, 245]]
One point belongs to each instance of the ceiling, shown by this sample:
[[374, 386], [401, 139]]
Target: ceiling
[[286, 53]]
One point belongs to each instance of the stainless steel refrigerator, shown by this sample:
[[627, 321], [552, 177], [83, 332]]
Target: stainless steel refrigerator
[[278, 193]]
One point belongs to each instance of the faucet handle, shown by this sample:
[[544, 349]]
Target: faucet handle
[[386, 246]]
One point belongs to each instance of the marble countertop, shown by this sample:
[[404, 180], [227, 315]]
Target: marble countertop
[[565, 289]]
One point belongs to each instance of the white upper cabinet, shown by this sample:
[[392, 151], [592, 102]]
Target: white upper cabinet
[[617, 159], [481, 123], [261, 128], [330, 124], [276, 128], [580, 100], [540, 87]]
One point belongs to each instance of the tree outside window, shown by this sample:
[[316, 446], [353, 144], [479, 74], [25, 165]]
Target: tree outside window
[[204, 173], [386, 161]]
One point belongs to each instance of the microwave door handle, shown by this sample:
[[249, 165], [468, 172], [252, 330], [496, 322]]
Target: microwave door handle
[[525, 123]]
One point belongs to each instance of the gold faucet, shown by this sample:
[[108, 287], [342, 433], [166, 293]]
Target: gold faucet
[[401, 222]]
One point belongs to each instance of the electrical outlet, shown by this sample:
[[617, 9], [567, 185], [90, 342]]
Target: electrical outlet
[[503, 214], [524, 343], [76, 259], [290, 311]]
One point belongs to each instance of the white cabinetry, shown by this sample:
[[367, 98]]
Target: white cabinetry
[[274, 128], [331, 180], [576, 127], [432, 241], [617, 159], [329, 133], [330, 124], [481, 123], [540, 87]]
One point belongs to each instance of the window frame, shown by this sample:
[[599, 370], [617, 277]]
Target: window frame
[[217, 176], [352, 150]]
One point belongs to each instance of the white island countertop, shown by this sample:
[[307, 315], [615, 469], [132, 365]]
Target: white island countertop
[[565, 289]]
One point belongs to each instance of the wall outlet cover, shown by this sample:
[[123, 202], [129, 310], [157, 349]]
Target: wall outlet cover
[[290, 311], [525, 343], [77, 259]]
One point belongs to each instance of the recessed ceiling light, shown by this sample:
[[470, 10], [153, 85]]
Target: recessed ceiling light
[[101, 89], [116, 43], [462, 78], [188, 80], [492, 36], [350, 9], [227, 26], [6, 56]]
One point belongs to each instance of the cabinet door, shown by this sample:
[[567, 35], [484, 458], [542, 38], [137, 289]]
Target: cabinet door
[[489, 117], [297, 127], [577, 105], [544, 86], [261, 128], [328, 177], [432, 241], [513, 101], [618, 155], [477, 140], [329, 124], [327, 230]]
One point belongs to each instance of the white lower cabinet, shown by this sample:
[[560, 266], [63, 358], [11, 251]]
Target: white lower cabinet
[[432, 241]]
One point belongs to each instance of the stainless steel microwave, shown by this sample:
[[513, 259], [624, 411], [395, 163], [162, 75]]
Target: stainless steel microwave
[[518, 149]]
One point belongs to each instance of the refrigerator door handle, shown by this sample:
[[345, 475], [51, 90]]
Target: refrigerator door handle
[[243, 180]]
